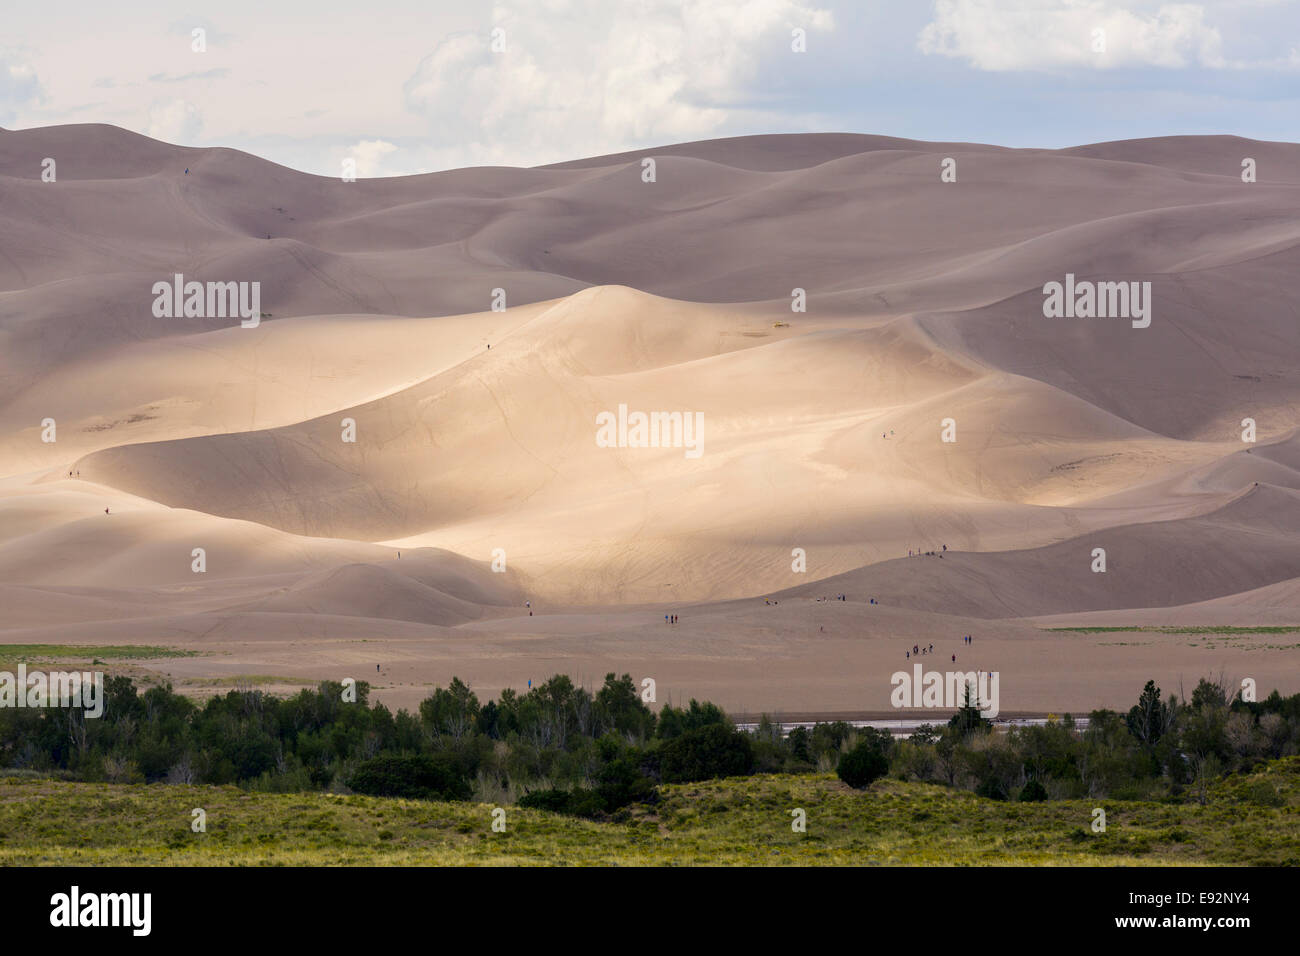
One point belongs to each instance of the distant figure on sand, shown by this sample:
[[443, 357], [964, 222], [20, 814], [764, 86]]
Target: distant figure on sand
[[105, 511]]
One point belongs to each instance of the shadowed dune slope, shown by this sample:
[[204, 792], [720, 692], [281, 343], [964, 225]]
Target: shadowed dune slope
[[1246, 544]]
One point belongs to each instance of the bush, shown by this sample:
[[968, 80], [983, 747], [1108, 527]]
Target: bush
[[863, 765], [716, 750], [422, 777], [1033, 792], [578, 802], [552, 801]]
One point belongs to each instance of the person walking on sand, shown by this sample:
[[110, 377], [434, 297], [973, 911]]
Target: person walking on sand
[[954, 658], [105, 511]]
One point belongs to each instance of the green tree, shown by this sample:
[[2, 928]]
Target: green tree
[[1149, 718], [620, 708], [451, 713]]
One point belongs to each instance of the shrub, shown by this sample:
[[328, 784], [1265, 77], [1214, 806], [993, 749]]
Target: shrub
[[552, 800], [716, 750], [422, 777], [1033, 792], [863, 765]]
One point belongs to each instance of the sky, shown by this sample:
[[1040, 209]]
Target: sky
[[405, 87]]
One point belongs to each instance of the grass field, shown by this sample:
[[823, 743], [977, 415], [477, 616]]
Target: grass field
[[28, 653], [1252, 820]]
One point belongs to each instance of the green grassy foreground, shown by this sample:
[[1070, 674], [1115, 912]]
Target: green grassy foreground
[[1249, 820]]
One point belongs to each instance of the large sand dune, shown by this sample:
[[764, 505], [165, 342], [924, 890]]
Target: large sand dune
[[821, 437]]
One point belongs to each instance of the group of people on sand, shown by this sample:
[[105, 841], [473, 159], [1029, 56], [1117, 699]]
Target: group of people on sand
[[838, 597], [670, 618], [919, 651], [918, 553]]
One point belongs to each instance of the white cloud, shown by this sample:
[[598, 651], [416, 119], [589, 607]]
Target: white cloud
[[578, 77], [19, 88], [369, 155], [174, 121], [1001, 35]]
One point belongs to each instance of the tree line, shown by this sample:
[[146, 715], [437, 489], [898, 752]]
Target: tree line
[[560, 747]]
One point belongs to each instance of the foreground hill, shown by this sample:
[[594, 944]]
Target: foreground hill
[[735, 822]]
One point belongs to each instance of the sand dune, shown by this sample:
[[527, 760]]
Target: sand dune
[[822, 435]]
